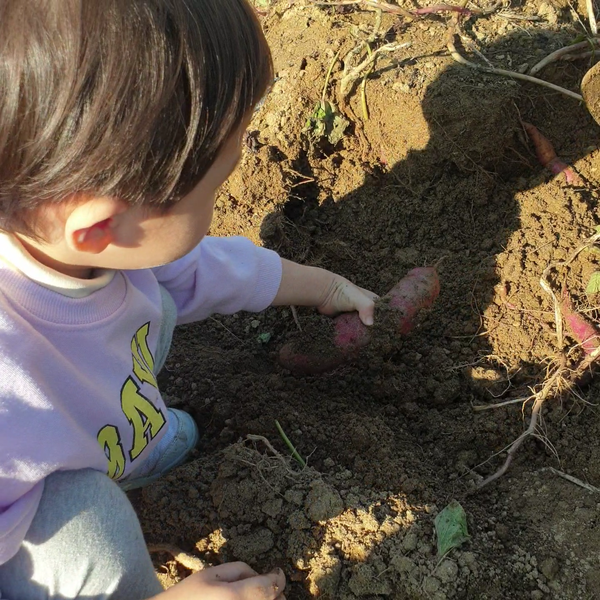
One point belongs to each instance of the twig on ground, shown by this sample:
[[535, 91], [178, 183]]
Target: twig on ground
[[437, 8], [513, 17], [495, 71], [580, 56], [225, 328], [558, 322], [469, 44], [189, 561], [328, 76], [295, 316], [363, 88], [363, 85], [562, 53], [586, 486]]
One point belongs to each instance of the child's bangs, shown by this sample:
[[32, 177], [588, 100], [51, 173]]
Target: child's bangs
[[234, 71]]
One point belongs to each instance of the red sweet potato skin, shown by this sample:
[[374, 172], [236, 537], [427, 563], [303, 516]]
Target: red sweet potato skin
[[350, 332], [546, 155], [419, 289], [581, 329], [325, 349]]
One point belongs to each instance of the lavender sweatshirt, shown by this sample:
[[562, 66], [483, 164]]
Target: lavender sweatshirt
[[77, 387]]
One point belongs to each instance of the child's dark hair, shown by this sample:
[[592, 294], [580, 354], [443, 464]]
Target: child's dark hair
[[123, 98]]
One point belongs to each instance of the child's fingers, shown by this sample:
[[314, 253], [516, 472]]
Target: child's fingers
[[261, 587], [369, 293], [365, 305], [228, 572]]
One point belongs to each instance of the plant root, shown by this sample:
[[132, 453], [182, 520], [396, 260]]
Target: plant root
[[277, 459], [189, 561], [564, 380], [539, 398]]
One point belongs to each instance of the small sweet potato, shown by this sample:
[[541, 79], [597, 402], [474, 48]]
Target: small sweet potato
[[582, 330], [546, 155], [324, 350]]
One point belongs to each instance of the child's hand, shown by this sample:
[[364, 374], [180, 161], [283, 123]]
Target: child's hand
[[343, 296], [231, 581], [330, 293]]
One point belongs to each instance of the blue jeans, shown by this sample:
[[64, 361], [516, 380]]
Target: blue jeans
[[85, 540]]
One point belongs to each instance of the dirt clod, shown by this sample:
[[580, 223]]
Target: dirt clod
[[323, 502]]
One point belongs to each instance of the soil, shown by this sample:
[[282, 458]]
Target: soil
[[441, 169]]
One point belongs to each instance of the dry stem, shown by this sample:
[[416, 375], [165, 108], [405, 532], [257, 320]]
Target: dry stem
[[591, 16], [513, 74], [410, 14], [562, 53], [353, 74], [295, 316], [556, 304], [370, 5], [574, 480]]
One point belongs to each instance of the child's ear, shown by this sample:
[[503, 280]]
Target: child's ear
[[90, 226]]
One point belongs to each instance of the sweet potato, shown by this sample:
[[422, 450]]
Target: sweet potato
[[546, 155], [582, 330], [334, 344]]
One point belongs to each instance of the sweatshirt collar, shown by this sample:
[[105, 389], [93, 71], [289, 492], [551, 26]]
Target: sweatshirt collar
[[14, 254]]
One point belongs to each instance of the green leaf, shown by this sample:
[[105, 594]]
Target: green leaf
[[264, 338], [451, 528], [593, 286], [326, 122]]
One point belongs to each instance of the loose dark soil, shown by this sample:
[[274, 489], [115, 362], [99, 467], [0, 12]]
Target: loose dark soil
[[441, 169]]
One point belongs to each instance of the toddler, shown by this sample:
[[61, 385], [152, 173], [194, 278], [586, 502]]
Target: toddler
[[119, 120]]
